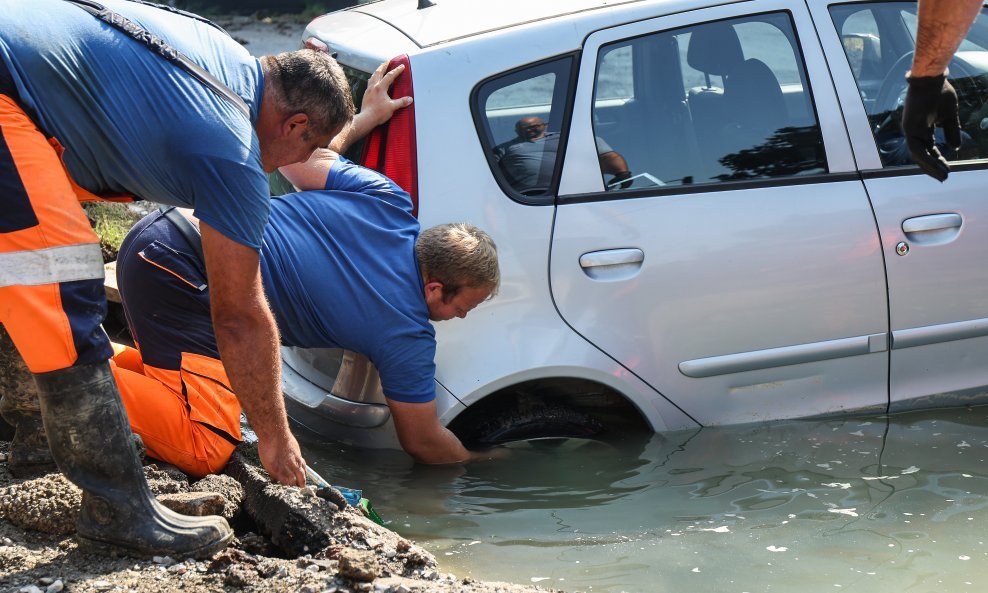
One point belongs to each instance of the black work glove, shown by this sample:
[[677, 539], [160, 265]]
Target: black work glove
[[623, 176], [930, 101]]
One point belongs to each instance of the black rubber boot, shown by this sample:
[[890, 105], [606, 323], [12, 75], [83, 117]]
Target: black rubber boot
[[90, 439], [28, 454]]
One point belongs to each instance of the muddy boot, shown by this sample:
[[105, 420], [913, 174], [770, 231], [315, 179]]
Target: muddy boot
[[90, 440], [28, 455]]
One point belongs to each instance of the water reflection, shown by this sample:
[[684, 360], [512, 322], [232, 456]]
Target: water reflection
[[868, 504]]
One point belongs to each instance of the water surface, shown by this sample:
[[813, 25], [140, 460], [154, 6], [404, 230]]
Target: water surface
[[865, 504]]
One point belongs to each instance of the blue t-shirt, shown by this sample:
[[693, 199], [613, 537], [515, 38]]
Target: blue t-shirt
[[134, 122], [340, 271]]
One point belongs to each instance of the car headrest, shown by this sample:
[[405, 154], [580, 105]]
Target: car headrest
[[714, 49]]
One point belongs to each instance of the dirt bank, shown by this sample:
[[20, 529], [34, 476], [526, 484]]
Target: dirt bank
[[38, 552]]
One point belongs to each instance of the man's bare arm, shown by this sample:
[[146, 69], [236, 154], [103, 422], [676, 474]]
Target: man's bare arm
[[942, 26], [612, 163], [248, 343], [423, 437]]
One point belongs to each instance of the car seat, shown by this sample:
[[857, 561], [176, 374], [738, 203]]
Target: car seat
[[744, 113]]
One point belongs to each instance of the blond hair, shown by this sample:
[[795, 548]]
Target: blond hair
[[458, 255]]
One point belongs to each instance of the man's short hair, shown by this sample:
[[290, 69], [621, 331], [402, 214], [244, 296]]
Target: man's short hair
[[311, 82], [458, 255]]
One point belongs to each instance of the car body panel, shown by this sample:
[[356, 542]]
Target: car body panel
[[938, 289], [463, 18]]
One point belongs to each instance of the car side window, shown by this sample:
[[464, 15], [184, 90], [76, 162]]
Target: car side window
[[520, 120], [716, 102], [878, 40]]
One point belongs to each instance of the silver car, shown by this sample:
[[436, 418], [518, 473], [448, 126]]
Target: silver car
[[768, 252]]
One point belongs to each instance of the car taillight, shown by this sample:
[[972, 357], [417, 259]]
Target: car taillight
[[316, 44], [390, 148]]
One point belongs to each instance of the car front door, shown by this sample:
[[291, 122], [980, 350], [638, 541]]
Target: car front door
[[736, 267], [934, 236]]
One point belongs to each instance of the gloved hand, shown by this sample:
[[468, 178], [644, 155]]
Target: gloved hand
[[930, 101], [623, 176]]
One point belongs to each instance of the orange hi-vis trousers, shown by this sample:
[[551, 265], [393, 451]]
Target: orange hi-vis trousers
[[52, 299], [176, 412], [175, 389]]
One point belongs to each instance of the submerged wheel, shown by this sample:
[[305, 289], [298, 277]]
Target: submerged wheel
[[540, 421]]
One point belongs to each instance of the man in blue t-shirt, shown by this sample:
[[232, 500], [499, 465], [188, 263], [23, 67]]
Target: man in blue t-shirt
[[343, 266], [113, 97]]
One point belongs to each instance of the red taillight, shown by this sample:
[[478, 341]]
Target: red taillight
[[390, 148], [316, 44]]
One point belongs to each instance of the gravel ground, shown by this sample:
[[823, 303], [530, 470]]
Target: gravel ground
[[39, 554]]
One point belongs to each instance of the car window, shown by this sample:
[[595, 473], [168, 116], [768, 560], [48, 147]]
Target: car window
[[716, 102], [878, 40], [520, 120]]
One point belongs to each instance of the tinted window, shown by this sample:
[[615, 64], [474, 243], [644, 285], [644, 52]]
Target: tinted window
[[716, 102], [878, 40], [521, 124]]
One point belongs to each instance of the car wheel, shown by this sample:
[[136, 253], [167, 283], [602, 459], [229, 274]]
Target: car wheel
[[540, 421]]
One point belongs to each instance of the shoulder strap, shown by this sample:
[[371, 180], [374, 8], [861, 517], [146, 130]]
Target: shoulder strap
[[158, 46], [188, 230]]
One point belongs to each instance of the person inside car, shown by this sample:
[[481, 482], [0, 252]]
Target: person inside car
[[343, 265], [528, 159]]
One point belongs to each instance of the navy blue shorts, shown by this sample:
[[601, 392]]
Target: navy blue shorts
[[162, 283]]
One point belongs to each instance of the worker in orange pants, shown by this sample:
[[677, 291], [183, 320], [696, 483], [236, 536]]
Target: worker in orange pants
[[188, 416]]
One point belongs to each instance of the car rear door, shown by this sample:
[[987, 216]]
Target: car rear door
[[738, 269], [934, 236]]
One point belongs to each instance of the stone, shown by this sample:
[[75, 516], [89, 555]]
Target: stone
[[357, 565], [231, 490], [198, 504], [55, 587]]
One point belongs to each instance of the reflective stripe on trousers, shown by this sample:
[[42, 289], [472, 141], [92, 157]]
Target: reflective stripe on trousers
[[51, 265], [52, 300]]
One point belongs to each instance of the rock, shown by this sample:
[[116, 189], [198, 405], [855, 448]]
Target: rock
[[198, 504], [29, 589], [358, 565], [332, 495], [231, 490], [163, 560], [49, 504], [165, 479], [240, 575], [55, 587], [296, 523]]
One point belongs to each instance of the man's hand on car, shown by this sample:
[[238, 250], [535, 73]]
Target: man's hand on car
[[930, 101]]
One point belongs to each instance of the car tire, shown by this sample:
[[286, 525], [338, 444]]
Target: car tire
[[541, 421]]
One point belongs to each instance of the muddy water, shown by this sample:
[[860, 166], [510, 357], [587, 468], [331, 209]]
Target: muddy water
[[866, 504]]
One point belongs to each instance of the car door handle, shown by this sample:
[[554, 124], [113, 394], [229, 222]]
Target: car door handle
[[612, 264], [932, 229]]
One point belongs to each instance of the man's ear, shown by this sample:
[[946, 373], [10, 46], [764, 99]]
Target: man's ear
[[434, 289], [295, 125]]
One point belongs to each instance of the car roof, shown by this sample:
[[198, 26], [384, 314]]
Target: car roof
[[447, 20]]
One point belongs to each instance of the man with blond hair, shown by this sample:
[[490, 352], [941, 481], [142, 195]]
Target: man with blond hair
[[343, 266]]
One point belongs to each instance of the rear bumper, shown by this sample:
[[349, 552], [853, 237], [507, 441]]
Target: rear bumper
[[311, 406]]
